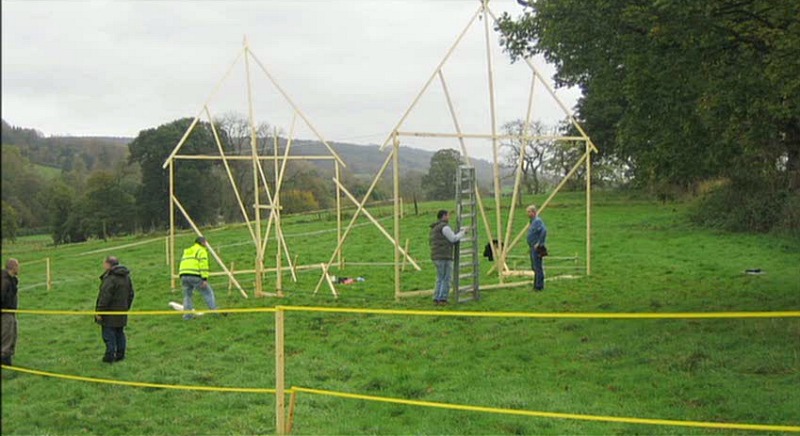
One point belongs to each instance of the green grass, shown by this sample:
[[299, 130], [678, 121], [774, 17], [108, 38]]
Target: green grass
[[46, 172], [646, 258]]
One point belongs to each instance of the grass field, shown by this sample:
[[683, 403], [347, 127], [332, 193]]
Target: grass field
[[47, 172], [647, 258]]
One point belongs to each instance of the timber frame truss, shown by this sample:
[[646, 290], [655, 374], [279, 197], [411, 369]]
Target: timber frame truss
[[272, 188], [492, 230]]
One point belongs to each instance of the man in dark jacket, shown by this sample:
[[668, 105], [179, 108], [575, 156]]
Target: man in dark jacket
[[442, 241], [537, 238], [9, 320], [116, 295]]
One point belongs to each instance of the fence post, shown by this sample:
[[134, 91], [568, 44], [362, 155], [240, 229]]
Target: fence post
[[280, 405], [47, 266]]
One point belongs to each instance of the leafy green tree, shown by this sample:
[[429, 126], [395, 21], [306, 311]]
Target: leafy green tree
[[64, 215], [194, 180], [296, 200], [683, 91], [10, 222], [108, 209], [21, 187], [440, 182]]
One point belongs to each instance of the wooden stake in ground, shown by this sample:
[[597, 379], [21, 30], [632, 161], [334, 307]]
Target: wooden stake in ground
[[49, 277], [280, 381]]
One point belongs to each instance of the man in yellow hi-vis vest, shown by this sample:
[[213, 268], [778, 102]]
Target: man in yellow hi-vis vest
[[194, 275]]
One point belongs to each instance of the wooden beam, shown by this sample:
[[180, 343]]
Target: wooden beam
[[197, 118], [297, 110], [380, 228], [491, 136], [230, 176], [430, 79], [396, 195], [239, 157]]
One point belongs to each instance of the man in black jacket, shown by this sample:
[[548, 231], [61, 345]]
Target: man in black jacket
[[116, 295], [9, 320]]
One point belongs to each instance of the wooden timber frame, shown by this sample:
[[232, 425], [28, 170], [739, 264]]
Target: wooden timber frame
[[253, 220], [492, 230]]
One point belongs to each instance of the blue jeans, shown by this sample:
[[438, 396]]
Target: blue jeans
[[538, 270], [114, 338], [444, 275], [192, 283]]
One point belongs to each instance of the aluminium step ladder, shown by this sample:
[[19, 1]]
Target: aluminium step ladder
[[466, 268]]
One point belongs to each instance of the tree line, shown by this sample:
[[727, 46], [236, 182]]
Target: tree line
[[129, 193], [699, 97]]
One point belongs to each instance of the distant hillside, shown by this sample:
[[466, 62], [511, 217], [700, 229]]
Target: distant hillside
[[65, 152], [366, 160], [62, 152]]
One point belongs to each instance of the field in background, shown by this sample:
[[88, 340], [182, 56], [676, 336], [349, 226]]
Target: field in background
[[647, 258]]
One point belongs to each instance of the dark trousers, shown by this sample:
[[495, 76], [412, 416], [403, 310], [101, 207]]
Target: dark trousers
[[115, 340], [538, 270]]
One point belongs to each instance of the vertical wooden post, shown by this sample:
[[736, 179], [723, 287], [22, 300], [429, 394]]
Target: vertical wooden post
[[230, 281], [172, 225], [47, 267], [588, 208], [280, 386], [504, 249], [259, 267], [276, 210], [337, 173], [396, 177], [496, 164], [166, 250]]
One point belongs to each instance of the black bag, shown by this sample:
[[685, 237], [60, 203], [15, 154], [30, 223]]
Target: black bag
[[541, 250]]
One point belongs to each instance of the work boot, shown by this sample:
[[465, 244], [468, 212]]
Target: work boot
[[109, 358], [119, 356]]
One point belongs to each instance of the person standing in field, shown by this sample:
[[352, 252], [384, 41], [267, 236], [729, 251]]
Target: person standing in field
[[10, 284], [116, 295], [537, 237], [193, 271], [442, 241]]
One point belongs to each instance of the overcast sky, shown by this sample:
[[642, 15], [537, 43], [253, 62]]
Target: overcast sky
[[353, 67]]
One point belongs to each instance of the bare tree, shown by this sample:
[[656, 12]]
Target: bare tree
[[234, 129], [536, 152]]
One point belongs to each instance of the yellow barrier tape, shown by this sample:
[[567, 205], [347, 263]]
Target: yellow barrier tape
[[574, 416], [142, 384], [136, 312], [610, 315], [453, 313]]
